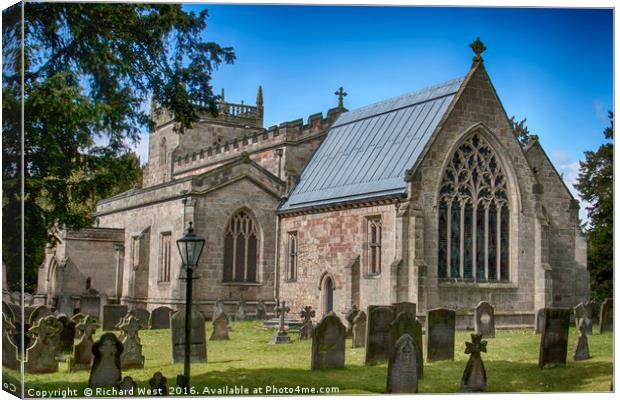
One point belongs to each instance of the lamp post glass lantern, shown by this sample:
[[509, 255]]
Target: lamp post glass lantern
[[190, 247]]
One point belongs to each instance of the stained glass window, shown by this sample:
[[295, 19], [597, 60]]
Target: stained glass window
[[241, 249]]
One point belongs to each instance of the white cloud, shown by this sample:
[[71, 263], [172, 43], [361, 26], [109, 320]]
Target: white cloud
[[142, 148]]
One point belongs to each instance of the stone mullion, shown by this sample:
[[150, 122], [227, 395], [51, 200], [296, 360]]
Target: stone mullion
[[474, 236], [486, 242], [234, 258], [498, 243], [462, 243], [245, 258], [449, 233]]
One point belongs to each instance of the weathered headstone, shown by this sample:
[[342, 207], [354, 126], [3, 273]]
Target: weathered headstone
[[142, 315], [38, 313], [378, 334], [82, 349], [595, 310], [440, 327], [158, 384], [90, 304], [67, 335], [9, 349], [402, 375], [77, 318], [306, 329], [218, 309], [484, 320], [582, 349], [28, 310], [328, 343], [359, 330], [539, 323], [351, 314], [281, 336], [406, 323], [8, 311], [405, 306], [261, 310], [106, 368], [606, 320], [41, 356], [160, 318], [198, 338], [127, 387], [112, 315], [132, 348], [475, 376], [554, 340], [220, 328], [241, 315], [65, 305]]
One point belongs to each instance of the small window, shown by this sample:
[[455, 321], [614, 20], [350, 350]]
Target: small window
[[374, 246], [165, 240], [292, 256]]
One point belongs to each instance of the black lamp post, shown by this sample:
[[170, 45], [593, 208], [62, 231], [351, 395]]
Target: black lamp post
[[190, 246]]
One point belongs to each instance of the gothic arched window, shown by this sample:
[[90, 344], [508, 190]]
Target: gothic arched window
[[473, 215], [241, 249]]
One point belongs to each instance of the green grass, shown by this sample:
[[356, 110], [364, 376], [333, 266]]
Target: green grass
[[248, 360]]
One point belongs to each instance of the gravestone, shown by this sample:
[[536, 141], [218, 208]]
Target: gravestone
[[38, 313], [158, 384], [219, 309], [41, 356], [402, 375], [405, 323], [378, 333], [9, 349], [82, 349], [281, 336], [220, 328], [328, 343], [582, 349], [106, 368], [132, 348], [8, 311], [28, 310], [261, 311], [90, 304], [112, 315], [554, 340], [359, 330], [127, 387], [241, 315], [306, 329], [142, 315], [77, 318], [351, 314], [198, 338], [160, 318], [67, 334], [65, 305], [484, 320], [440, 326], [405, 306], [475, 376], [595, 310], [540, 321], [606, 320]]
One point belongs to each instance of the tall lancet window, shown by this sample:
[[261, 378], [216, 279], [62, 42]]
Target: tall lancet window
[[241, 249], [473, 218]]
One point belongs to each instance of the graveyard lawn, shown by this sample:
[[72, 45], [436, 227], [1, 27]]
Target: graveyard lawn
[[248, 360]]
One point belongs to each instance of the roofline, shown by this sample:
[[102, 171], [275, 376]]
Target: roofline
[[542, 150], [345, 204]]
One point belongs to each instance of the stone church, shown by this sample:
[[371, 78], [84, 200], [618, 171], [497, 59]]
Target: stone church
[[427, 197]]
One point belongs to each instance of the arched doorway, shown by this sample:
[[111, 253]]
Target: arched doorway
[[328, 295]]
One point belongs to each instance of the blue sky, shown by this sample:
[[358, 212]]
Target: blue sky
[[551, 66]]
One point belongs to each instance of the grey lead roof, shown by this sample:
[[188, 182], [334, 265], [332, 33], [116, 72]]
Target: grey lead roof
[[367, 150]]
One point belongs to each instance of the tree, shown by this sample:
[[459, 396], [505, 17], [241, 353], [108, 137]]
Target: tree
[[90, 72], [595, 185], [521, 131]]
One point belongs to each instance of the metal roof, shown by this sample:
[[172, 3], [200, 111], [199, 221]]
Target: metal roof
[[367, 150]]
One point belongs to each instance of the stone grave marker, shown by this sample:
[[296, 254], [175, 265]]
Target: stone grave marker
[[595, 310], [28, 310], [406, 323], [220, 328], [359, 330], [77, 318], [9, 349], [158, 384], [475, 376], [142, 315], [405, 306], [539, 323], [484, 320], [90, 304], [402, 375], [582, 349], [218, 309], [328, 343], [306, 329], [554, 340], [82, 349], [261, 311], [606, 320], [38, 313], [160, 318], [198, 337], [8, 311], [281, 336], [378, 333], [241, 315], [67, 334], [132, 348], [65, 305], [351, 314], [128, 387], [106, 368], [112, 315], [41, 356], [440, 327]]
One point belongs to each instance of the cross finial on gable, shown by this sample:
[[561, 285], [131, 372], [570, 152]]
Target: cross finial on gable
[[478, 47], [340, 93]]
